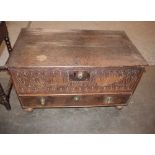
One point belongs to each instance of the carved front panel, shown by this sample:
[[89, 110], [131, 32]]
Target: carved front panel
[[57, 80]]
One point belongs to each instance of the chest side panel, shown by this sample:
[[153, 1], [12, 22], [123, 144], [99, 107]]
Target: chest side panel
[[64, 80]]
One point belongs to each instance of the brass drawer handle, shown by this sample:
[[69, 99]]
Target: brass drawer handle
[[108, 99], [76, 98], [42, 101]]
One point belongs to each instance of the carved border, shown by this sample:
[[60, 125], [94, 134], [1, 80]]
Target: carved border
[[56, 80]]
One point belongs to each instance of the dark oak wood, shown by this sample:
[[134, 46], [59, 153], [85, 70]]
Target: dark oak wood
[[73, 101], [5, 95], [54, 68], [57, 80], [74, 48]]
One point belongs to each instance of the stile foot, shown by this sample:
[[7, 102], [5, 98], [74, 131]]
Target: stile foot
[[119, 107], [28, 109]]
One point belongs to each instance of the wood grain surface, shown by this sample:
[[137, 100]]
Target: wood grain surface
[[45, 47]]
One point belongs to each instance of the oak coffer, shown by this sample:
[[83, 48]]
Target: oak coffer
[[74, 68]]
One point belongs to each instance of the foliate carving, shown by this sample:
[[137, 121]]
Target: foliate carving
[[57, 81], [105, 81]]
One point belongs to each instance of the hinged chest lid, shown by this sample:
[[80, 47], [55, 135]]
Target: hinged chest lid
[[74, 48]]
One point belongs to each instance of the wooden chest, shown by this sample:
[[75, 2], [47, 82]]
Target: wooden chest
[[74, 68]]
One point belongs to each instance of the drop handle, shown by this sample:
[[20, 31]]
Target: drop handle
[[76, 98], [80, 75], [108, 99], [42, 101]]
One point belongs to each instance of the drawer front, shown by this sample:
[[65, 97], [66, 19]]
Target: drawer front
[[75, 80], [73, 101]]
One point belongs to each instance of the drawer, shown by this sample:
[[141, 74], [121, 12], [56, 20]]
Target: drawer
[[75, 80], [73, 101]]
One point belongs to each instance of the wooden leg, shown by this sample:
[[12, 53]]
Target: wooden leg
[[119, 107], [7, 104], [9, 87], [4, 100], [8, 44], [4, 95], [28, 109]]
